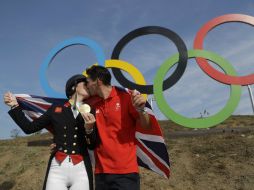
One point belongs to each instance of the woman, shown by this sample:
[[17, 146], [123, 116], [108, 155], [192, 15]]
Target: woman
[[69, 165]]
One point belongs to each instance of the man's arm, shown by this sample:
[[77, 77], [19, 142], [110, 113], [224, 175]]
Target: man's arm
[[138, 101], [144, 118]]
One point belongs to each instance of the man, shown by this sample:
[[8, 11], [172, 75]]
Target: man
[[69, 165], [117, 114]]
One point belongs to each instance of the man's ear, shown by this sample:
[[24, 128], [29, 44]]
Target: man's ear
[[99, 82]]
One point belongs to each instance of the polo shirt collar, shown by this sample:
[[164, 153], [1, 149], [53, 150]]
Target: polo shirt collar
[[113, 93]]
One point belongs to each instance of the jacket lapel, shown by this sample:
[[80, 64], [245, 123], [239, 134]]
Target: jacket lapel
[[69, 114], [80, 118], [69, 117]]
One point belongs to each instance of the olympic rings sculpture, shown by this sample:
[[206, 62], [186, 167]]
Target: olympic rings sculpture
[[181, 58]]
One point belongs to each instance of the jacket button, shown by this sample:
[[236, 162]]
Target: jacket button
[[65, 127], [74, 144], [65, 151], [76, 128], [65, 143], [73, 152], [64, 135], [75, 136]]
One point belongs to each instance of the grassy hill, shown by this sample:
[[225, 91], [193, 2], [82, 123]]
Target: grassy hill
[[224, 161]]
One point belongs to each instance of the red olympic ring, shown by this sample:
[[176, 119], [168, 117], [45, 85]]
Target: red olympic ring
[[205, 66]]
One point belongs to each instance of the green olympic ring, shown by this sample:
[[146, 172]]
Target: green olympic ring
[[235, 92]]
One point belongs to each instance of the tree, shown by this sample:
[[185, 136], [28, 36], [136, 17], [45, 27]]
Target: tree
[[15, 133]]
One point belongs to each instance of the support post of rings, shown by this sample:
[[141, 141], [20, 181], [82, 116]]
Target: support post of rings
[[251, 97], [152, 99]]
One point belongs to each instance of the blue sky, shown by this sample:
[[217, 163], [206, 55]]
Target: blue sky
[[30, 29]]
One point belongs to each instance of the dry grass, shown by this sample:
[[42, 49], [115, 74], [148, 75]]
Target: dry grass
[[222, 162]]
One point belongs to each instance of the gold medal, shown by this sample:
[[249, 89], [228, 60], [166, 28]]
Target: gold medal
[[84, 108]]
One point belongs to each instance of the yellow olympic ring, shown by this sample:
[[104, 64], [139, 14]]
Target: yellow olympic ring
[[127, 67]]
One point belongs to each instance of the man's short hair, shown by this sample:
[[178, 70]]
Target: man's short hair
[[99, 72]]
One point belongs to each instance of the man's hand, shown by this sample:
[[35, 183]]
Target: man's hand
[[138, 101], [10, 99], [89, 120]]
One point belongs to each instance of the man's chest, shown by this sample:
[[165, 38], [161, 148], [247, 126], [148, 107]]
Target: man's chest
[[113, 114]]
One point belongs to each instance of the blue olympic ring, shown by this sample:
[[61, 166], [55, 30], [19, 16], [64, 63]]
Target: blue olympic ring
[[70, 42]]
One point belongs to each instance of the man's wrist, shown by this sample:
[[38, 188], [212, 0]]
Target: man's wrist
[[141, 110]]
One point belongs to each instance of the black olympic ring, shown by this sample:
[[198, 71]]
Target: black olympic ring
[[171, 80]]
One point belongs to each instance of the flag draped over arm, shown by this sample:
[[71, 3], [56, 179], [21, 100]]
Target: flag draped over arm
[[151, 149]]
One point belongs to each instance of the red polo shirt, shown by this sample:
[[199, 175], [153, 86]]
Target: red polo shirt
[[116, 120]]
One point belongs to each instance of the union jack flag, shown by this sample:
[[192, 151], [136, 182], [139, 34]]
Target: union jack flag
[[151, 149]]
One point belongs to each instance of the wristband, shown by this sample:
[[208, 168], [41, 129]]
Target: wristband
[[141, 110]]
